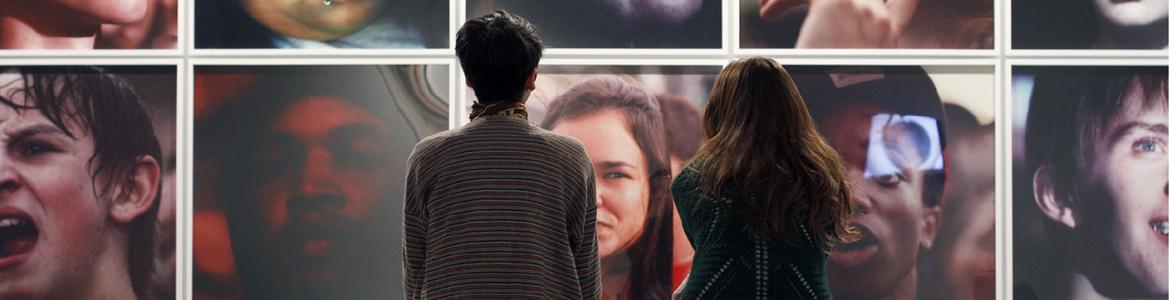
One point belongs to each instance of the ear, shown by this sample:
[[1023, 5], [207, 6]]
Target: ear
[[930, 223], [531, 84], [137, 192], [1051, 203]]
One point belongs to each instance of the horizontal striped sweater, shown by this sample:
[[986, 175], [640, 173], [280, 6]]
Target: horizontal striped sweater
[[500, 209]]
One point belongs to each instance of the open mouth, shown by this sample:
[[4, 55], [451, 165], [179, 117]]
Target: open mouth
[[18, 236], [1161, 228], [856, 252]]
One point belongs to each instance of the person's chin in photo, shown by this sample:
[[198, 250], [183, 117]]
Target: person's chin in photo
[[1139, 24], [319, 20]]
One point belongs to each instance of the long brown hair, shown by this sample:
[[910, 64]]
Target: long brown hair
[[650, 254], [762, 142]]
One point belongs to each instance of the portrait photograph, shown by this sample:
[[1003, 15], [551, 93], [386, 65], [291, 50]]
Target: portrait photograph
[[88, 25], [88, 177], [1089, 182], [918, 143], [322, 24], [616, 23], [867, 24], [1089, 24], [639, 125], [300, 174]]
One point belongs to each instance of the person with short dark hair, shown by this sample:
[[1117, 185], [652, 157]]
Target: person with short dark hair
[[1095, 152], [80, 182], [500, 208]]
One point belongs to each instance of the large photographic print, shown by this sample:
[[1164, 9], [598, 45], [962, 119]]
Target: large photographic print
[[1089, 184], [934, 24], [88, 177], [617, 23], [1089, 24], [919, 147], [299, 174], [321, 24], [87, 25], [639, 125]]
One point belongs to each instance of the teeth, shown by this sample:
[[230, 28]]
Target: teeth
[[1161, 227], [9, 222]]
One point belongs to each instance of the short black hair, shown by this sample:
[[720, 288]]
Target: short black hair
[[497, 52], [104, 106]]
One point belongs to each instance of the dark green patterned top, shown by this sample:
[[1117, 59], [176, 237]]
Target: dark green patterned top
[[729, 264]]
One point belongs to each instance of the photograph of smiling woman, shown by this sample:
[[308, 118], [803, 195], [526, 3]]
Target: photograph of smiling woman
[[79, 186]]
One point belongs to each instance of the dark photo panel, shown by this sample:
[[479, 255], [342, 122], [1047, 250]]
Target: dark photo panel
[[1089, 174], [1089, 24], [617, 23], [322, 24], [88, 170], [299, 174], [934, 24], [918, 143], [81, 25], [643, 250]]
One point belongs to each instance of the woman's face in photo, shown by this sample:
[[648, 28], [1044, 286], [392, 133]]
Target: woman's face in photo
[[313, 19], [623, 185], [104, 11], [1122, 206], [1131, 12], [53, 223]]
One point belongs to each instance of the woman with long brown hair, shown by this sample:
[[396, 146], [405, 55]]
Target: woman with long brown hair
[[620, 125], [765, 198]]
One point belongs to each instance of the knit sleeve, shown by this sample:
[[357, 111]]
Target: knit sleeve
[[415, 226], [697, 212], [582, 199]]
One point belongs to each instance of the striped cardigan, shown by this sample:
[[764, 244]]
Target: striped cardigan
[[500, 209]]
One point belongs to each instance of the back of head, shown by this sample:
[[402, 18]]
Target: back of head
[[758, 129], [498, 52]]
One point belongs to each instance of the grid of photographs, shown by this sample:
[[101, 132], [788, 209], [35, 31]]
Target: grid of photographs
[[1000, 149]]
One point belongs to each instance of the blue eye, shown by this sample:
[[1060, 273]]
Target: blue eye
[[1149, 145], [33, 149]]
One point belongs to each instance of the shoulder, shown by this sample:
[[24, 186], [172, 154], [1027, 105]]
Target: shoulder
[[687, 180], [570, 148], [431, 145]]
